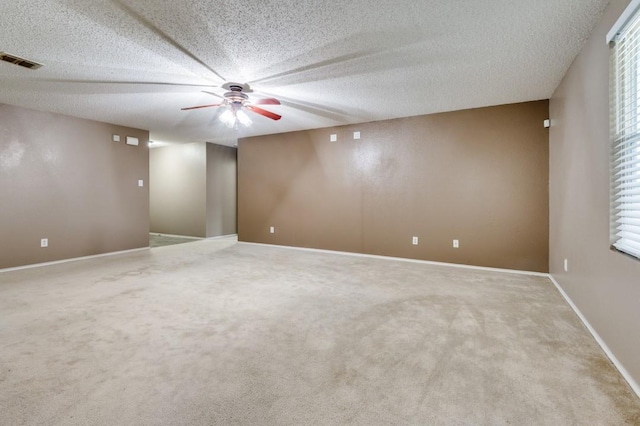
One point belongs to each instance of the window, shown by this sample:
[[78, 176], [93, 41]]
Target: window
[[625, 131]]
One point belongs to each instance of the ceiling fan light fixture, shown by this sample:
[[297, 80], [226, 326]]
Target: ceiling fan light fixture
[[228, 118], [233, 115], [243, 118]]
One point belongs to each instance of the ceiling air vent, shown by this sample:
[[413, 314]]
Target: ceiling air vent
[[19, 61]]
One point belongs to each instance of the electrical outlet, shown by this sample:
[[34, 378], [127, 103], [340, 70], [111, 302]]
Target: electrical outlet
[[272, 230], [414, 241], [566, 265], [44, 242], [356, 135], [333, 137], [140, 183], [456, 244]]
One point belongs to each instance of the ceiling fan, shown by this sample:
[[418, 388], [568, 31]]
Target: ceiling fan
[[236, 101]]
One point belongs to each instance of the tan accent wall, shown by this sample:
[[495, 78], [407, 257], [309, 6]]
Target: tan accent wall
[[604, 284], [193, 190], [479, 176], [64, 179], [178, 176], [221, 190]]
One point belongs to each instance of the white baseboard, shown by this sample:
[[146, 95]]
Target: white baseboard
[[404, 259], [72, 259], [634, 385], [222, 236], [160, 234]]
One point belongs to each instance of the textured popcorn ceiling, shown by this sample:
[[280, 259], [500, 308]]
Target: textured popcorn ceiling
[[136, 63]]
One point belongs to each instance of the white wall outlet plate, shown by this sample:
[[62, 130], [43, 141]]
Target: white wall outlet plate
[[333, 137], [44, 242], [132, 141], [116, 138], [456, 244], [356, 135], [547, 123], [272, 230], [566, 265], [140, 182], [414, 241]]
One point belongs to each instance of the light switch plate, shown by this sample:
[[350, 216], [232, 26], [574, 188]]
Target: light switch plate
[[116, 138], [132, 141], [356, 135], [140, 182], [333, 137]]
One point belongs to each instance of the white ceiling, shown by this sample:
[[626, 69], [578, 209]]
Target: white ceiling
[[136, 63]]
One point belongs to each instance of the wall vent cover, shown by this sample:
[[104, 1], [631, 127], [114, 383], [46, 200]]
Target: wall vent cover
[[6, 57]]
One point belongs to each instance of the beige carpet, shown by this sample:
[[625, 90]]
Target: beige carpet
[[215, 332], [160, 240]]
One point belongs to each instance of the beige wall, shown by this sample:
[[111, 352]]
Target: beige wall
[[63, 178], [193, 190], [178, 177], [604, 284], [221, 190], [479, 176]]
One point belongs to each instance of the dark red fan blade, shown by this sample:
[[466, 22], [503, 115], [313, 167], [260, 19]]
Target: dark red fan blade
[[264, 112], [265, 101], [201, 106]]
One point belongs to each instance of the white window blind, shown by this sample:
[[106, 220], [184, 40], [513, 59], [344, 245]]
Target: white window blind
[[625, 131]]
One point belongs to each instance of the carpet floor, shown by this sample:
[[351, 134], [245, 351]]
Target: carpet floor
[[219, 332], [160, 240]]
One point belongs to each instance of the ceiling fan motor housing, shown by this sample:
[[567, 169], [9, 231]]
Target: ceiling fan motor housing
[[236, 97]]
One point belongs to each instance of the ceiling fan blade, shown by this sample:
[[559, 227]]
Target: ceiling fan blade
[[200, 106], [123, 82], [264, 112], [148, 24], [265, 101], [321, 110], [213, 93]]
